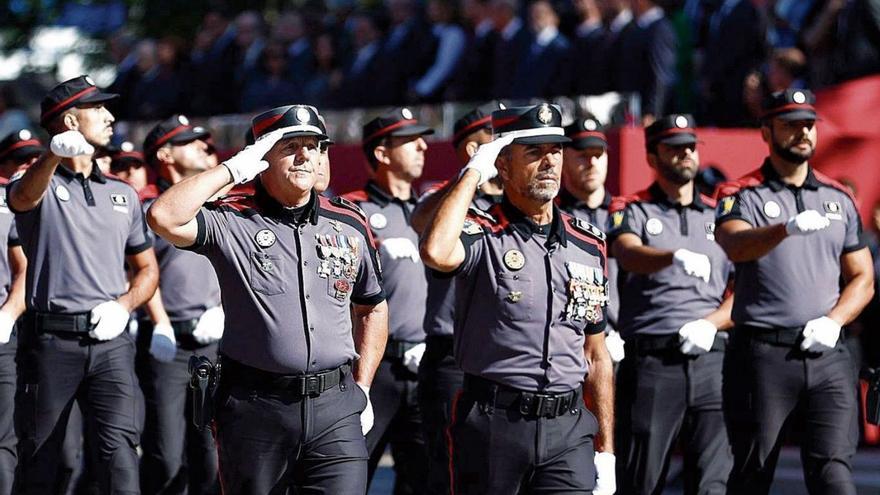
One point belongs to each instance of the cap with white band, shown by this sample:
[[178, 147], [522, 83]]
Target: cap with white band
[[539, 124]]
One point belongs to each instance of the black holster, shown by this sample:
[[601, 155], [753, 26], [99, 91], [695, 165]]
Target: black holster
[[872, 398], [204, 376]]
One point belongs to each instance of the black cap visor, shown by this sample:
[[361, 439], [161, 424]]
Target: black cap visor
[[678, 139], [23, 153], [588, 142], [542, 139], [801, 114], [411, 130], [96, 97], [188, 136]]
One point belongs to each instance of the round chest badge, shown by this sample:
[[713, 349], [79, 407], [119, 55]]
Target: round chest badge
[[772, 209], [514, 259], [62, 193], [378, 221], [654, 226], [265, 238]]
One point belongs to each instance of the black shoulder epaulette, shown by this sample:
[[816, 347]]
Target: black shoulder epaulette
[[340, 201], [482, 214], [587, 228]]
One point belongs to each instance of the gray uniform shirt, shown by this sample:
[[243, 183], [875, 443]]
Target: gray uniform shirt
[[8, 232], [404, 279], [660, 303], [288, 278], [799, 280], [527, 299], [76, 241]]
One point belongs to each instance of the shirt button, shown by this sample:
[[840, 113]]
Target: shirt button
[[305, 263], [307, 296]]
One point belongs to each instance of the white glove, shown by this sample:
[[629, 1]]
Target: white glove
[[697, 337], [6, 324], [483, 160], [248, 163], [210, 326], [806, 222], [163, 345], [614, 344], [606, 476], [694, 264], [110, 320], [820, 334], [400, 248], [70, 144], [367, 414], [413, 357]]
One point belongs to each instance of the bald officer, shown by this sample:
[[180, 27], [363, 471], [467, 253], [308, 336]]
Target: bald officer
[[295, 270], [531, 295], [672, 306], [79, 229], [802, 273]]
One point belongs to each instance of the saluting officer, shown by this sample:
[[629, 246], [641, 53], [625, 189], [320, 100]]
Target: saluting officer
[[583, 194], [291, 264], [530, 319], [79, 229], [440, 378], [17, 150], [395, 147], [185, 319], [802, 272], [672, 304]]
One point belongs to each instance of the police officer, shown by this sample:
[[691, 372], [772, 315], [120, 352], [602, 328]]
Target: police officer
[[583, 194], [530, 316], [802, 273], [395, 148], [439, 377], [290, 264], [672, 287], [322, 182], [130, 166], [17, 150], [185, 319], [79, 229]]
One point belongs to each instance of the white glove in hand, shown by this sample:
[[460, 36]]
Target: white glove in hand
[[6, 324], [694, 264], [413, 357], [806, 223], [110, 320], [163, 345], [367, 414], [210, 326], [697, 337], [70, 144], [614, 344], [483, 160], [400, 248], [820, 334], [248, 163], [606, 476]]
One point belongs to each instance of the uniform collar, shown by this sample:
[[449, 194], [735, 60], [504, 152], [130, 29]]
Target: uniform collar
[[271, 207], [772, 179], [68, 174], [380, 197], [525, 227], [568, 201], [659, 197], [490, 198]]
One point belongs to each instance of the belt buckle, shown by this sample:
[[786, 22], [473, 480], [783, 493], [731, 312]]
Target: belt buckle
[[526, 400], [311, 385], [547, 405]]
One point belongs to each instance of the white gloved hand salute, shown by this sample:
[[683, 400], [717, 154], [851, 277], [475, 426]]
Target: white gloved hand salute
[[820, 334], [483, 160], [367, 417], [163, 345], [697, 337], [806, 222], [606, 474], [210, 326], [694, 264], [249, 163], [70, 144], [110, 319]]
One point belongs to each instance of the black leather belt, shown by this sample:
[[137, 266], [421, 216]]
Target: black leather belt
[[394, 349], [529, 404], [45, 322], [313, 385], [440, 344], [184, 328], [651, 344]]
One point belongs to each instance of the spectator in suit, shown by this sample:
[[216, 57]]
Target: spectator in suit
[[249, 42], [160, 91], [473, 80], [590, 76], [356, 88], [510, 48], [290, 30], [451, 43], [407, 52], [213, 59], [326, 76], [270, 85], [546, 70]]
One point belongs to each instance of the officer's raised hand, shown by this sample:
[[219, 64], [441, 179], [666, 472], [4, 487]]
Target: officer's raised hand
[[820, 334], [806, 222], [163, 345], [70, 144], [483, 160], [697, 337], [210, 326], [249, 163], [109, 319], [694, 264]]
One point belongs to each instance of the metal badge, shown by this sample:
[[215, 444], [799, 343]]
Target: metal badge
[[799, 97], [127, 146], [24, 134], [182, 120], [406, 113], [119, 199], [337, 225], [515, 296], [302, 115], [545, 115], [62, 193], [378, 221], [772, 209], [681, 122], [726, 205], [616, 219], [342, 287], [265, 238], [590, 124], [654, 226], [587, 293], [710, 231], [514, 259]]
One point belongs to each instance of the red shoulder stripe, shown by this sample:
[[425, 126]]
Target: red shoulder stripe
[[356, 196], [828, 181], [434, 187], [730, 188], [150, 191], [237, 202], [710, 201], [618, 203]]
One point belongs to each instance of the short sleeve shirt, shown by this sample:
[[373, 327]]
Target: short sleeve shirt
[[527, 298], [799, 280], [661, 302], [8, 232], [76, 241], [403, 276], [288, 278]]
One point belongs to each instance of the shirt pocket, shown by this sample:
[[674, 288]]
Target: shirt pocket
[[514, 297], [266, 274], [339, 290]]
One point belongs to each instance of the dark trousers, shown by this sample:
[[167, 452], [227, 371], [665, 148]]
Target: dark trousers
[[56, 370], [177, 458], [272, 441], [770, 388], [439, 380], [663, 396], [394, 396], [498, 451], [8, 441]]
